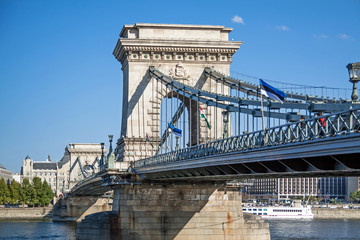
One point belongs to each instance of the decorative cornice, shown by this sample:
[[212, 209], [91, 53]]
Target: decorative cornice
[[179, 49], [166, 50]]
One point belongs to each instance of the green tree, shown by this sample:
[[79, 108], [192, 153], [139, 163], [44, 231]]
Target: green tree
[[22, 196], [14, 188], [355, 196], [29, 193], [4, 192], [48, 194], [37, 184]]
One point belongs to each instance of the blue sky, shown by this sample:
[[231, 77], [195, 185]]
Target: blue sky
[[60, 83]]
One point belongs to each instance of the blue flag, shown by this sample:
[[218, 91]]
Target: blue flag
[[175, 130], [271, 92]]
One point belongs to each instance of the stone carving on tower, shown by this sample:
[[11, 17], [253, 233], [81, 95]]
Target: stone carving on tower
[[179, 73]]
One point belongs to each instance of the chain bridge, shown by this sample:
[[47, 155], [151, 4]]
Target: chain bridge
[[176, 79]]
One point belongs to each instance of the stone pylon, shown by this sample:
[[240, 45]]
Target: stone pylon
[[182, 52], [180, 211]]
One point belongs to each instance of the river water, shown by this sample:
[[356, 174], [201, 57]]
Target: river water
[[279, 230]]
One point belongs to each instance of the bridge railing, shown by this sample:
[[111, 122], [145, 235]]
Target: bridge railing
[[320, 127]]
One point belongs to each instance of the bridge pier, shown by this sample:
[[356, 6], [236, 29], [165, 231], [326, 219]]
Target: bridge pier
[[74, 209], [174, 211]]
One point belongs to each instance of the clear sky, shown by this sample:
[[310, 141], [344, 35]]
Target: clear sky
[[60, 83]]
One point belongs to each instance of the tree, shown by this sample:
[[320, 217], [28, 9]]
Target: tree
[[14, 188], [22, 196], [29, 193], [48, 194], [4, 192], [37, 184], [355, 196]]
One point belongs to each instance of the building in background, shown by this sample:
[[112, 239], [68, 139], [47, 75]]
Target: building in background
[[17, 177], [79, 161], [6, 174], [319, 187]]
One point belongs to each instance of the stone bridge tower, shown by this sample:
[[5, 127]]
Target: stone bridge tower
[[180, 51]]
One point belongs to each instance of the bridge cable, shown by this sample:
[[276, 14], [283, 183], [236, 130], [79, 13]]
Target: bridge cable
[[166, 116], [161, 111], [184, 146], [190, 119], [197, 122]]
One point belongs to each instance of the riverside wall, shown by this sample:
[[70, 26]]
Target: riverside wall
[[46, 212], [25, 213], [337, 213]]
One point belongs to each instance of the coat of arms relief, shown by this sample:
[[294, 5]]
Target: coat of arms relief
[[179, 73]]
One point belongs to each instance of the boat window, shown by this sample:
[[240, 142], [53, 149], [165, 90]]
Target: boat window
[[244, 209], [259, 213], [259, 209], [265, 209], [254, 209], [265, 213]]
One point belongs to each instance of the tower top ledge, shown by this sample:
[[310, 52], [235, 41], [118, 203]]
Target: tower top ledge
[[175, 31]]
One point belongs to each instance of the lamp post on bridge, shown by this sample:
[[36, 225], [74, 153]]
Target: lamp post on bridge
[[102, 155], [225, 120], [354, 74], [110, 157], [110, 141], [177, 146]]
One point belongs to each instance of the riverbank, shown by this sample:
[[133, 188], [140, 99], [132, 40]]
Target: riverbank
[[26, 213], [335, 213], [46, 212]]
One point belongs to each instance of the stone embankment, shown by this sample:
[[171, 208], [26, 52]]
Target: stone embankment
[[46, 212], [336, 213], [26, 213]]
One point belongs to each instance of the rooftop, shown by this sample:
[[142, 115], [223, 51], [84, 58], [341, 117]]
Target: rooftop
[[44, 166]]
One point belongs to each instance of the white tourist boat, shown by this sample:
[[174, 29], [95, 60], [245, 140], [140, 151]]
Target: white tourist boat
[[281, 212]]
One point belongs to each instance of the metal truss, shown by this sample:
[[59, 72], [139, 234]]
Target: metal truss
[[327, 126], [237, 104]]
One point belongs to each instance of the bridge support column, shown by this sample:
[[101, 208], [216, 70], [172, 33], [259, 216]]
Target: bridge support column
[[74, 209], [176, 211]]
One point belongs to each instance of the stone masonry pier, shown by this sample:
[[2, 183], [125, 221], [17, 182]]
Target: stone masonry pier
[[74, 209], [174, 211]]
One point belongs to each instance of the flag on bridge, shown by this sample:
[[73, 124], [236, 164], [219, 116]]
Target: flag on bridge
[[271, 92], [148, 140], [204, 117], [175, 130]]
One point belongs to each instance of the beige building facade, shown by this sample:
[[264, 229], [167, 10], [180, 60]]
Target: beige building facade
[[79, 161], [6, 174]]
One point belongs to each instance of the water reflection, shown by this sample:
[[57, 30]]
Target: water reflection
[[314, 229], [35, 229]]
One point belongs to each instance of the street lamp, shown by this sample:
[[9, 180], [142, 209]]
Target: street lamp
[[102, 154], [110, 141], [226, 120], [177, 146], [354, 74]]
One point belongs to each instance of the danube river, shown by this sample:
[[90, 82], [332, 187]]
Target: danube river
[[279, 229]]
